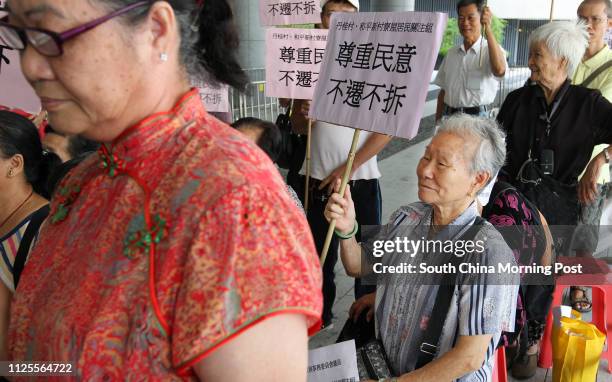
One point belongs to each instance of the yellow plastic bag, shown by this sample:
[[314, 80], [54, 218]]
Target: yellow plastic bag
[[577, 347]]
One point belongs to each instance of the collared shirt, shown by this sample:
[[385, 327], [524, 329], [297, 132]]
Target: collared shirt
[[330, 148], [233, 250], [603, 83], [582, 120], [404, 305], [465, 82]]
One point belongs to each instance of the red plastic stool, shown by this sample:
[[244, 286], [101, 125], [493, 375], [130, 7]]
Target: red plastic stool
[[601, 285], [499, 370]]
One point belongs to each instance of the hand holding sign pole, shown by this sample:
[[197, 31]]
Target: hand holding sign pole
[[484, 34], [345, 180], [376, 65]]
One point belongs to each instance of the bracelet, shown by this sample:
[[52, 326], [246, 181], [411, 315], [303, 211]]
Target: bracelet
[[350, 234]]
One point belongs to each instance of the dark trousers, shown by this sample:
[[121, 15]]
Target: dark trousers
[[368, 207]]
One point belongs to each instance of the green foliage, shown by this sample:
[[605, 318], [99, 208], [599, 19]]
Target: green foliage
[[452, 33]]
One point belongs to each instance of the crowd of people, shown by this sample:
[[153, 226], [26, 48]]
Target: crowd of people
[[141, 237]]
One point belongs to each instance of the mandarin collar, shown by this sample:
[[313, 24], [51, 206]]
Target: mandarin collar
[[145, 136]]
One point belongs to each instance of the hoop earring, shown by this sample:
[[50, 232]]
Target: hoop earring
[[10, 173]]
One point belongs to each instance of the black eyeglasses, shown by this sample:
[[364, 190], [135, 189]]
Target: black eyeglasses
[[49, 43]]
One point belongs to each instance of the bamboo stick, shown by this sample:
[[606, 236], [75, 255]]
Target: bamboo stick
[[345, 180]]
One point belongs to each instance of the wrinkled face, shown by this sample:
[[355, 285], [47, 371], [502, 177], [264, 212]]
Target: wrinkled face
[[546, 69], [58, 144], [444, 170], [331, 8], [594, 14], [469, 22], [96, 87]]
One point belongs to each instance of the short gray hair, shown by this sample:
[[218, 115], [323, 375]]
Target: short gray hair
[[564, 39], [490, 154]]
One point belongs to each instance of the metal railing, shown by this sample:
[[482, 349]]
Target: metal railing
[[514, 79], [253, 102]]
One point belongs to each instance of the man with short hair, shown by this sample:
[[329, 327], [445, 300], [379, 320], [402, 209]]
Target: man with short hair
[[330, 147], [466, 85], [593, 72]]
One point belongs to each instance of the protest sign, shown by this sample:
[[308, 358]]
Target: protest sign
[[293, 61], [284, 12], [15, 92], [336, 362], [376, 70], [214, 97]]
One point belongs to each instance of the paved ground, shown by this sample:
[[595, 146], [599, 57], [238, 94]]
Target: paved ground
[[399, 187]]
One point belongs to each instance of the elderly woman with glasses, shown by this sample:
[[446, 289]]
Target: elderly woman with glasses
[[457, 164], [171, 254]]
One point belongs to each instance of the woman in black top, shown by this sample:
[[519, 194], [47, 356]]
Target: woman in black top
[[552, 126]]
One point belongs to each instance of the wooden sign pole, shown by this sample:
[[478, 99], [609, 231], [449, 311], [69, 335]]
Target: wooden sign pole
[[308, 140], [345, 180]]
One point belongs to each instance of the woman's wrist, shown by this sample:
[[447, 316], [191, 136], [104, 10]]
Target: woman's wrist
[[346, 236]]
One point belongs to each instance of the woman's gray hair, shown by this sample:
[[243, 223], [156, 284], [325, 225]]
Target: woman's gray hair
[[490, 154], [564, 39]]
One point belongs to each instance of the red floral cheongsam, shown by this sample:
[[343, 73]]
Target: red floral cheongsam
[[173, 240]]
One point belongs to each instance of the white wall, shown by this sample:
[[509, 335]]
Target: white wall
[[534, 9]]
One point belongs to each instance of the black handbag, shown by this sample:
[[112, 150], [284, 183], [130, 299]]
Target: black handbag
[[557, 201], [293, 146]]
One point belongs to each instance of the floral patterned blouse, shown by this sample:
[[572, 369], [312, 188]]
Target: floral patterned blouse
[[162, 248]]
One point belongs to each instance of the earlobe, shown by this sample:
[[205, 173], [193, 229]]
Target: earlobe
[[16, 165], [164, 28]]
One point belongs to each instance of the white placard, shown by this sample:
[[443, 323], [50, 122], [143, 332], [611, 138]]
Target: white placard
[[376, 70], [293, 61], [286, 12], [333, 363], [214, 98]]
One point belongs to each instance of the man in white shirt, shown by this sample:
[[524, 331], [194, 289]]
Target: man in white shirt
[[466, 85], [330, 147]]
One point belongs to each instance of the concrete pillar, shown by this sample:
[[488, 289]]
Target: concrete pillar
[[391, 5], [252, 35]]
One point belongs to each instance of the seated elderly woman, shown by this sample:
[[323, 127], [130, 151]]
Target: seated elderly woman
[[455, 167], [552, 126]]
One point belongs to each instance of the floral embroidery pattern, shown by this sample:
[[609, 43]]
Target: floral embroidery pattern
[[224, 247]]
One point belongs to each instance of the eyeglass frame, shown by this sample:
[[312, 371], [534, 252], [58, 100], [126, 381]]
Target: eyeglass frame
[[61, 38], [593, 20]]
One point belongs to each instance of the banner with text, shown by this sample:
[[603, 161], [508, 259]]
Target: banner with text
[[284, 12], [15, 92], [214, 98], [293, 61], [376, 72]]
